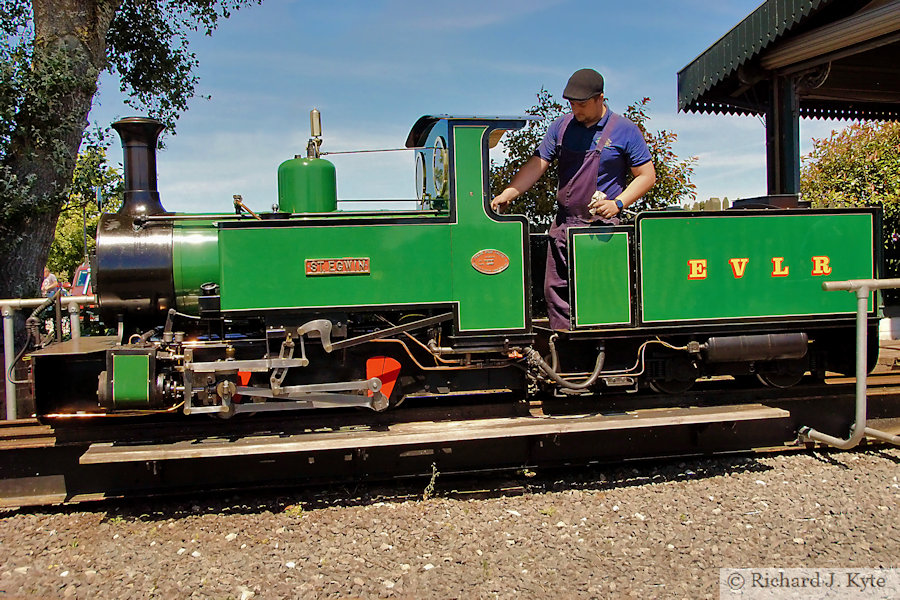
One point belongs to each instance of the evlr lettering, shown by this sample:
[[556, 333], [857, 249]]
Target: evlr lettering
[[697, 267]]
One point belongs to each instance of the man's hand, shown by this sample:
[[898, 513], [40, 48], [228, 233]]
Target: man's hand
[[530, 172], [503, 199], [601, 206]]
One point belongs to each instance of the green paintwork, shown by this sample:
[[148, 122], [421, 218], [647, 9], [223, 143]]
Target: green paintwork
[[602, 290], [427, 260], [422, 262], [486, 301], [667, 244], [195, 260], [131, 380], [398, 256], [307, 185]]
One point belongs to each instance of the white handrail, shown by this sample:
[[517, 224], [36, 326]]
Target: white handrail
[[858, 430], [8, 307]]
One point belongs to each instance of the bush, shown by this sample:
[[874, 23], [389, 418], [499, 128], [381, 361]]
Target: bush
[[860, 166]]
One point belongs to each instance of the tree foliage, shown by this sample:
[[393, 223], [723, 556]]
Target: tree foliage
[[859, 166], [673, 175], [52, 53], [537, 204], [149, 50], [77, 224]]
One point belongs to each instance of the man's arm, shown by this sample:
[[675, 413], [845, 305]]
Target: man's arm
[[527, 176], [49, 283], [644, 178]]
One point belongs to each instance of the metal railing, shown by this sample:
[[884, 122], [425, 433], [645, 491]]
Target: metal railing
[[858, 430], [9, 307]]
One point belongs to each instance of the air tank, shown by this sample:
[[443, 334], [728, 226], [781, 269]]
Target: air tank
[[307, 185]]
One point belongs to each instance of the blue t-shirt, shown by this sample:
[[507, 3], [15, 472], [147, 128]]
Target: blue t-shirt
[[626, 148]]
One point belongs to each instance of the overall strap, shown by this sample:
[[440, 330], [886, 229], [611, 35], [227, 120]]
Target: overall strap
[[611, 124], [605, 134], [563, 126]]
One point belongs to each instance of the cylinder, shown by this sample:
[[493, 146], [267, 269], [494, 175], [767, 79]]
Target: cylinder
[[775, 346], [139, 138], [307, 185]]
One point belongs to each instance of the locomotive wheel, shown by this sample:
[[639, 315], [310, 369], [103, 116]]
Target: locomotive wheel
[[224, 415], [781, 374], [779, 380], [675, 376], [673, 387]]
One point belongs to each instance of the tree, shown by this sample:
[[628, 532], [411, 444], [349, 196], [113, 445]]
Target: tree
[[537, 204], [673, 175], [76, 228], [52, 53], [859, 166]]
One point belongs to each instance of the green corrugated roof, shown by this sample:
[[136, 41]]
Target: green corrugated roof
[[737, 49]]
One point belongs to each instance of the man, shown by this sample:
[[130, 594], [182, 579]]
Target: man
[[50, 283], [596, 148]]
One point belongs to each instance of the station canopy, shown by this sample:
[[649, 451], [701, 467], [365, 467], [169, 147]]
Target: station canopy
[[842, 58]]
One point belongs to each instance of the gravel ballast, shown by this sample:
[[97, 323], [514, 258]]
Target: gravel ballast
[[648, 530]]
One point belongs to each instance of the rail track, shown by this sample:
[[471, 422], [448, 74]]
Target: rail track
[[87, 460]]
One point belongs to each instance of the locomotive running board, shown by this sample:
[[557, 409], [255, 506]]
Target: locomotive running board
[[426, 433]]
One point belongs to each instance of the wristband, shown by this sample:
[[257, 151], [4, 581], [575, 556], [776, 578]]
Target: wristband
[[619, 204]]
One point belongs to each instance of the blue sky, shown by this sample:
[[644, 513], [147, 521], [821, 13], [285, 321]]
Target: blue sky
[[373, 67]]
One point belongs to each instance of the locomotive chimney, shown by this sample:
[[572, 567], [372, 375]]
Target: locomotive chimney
[[139, 136]]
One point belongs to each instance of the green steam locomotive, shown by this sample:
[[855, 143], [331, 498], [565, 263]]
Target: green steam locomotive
[[310, 307]]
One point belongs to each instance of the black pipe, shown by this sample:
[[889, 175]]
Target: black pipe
[[33, 339], [534, 359], [740, 348], [139, 139]]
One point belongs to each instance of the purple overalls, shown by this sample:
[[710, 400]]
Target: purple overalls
[[572, 200]]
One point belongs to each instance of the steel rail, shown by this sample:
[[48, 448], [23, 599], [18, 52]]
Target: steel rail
[[39, 465]]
